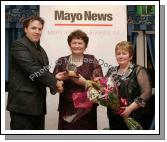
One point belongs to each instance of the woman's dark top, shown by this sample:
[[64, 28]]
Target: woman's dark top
[[85, 119], [131, 85]]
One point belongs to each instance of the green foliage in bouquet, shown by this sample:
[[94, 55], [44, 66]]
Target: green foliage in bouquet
[[132, 124]]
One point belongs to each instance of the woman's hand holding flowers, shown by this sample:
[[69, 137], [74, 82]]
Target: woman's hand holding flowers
[[126, 111]]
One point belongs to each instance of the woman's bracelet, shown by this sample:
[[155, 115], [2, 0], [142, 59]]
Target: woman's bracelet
[[140, 102]]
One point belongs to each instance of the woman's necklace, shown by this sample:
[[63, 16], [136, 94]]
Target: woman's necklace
[[125, 73], [117, 75], [77, 61], [121, 73]]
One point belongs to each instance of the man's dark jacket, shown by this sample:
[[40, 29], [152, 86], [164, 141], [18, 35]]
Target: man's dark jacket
[[28, 78]]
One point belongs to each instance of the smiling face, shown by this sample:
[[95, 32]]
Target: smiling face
[[124, 53], [123, 57], [34, 30], [77, 46]]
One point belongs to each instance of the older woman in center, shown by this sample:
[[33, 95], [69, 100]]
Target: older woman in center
[[70, 117], [133, 85]]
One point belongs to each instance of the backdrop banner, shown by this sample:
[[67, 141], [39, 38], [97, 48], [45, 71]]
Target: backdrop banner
[[105, 26]]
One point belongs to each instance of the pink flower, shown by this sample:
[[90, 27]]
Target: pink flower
[[123, 102], [103, 81]]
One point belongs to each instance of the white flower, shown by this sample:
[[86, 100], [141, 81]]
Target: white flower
[[110, 82], [93, 94]]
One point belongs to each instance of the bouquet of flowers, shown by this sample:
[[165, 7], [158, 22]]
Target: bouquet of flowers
[[105, 92]]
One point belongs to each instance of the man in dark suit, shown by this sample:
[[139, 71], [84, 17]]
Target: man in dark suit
[[28, 78]]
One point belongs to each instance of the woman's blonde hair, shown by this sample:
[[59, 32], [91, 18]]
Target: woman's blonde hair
[[125, 45]]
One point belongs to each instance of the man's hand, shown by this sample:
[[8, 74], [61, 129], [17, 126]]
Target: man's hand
[[59, 86]]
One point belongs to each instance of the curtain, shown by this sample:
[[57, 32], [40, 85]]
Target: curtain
[[13, 27], [151, 47]]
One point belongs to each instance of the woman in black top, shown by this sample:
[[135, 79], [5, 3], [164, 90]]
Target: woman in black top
[[133, 85]]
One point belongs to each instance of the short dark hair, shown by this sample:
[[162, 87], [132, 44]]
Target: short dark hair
[[78, 34], [27, 21]]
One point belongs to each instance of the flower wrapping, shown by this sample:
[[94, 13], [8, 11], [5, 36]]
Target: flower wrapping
[[81, 100]]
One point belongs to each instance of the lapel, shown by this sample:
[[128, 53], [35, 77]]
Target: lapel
[[41, 56]]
